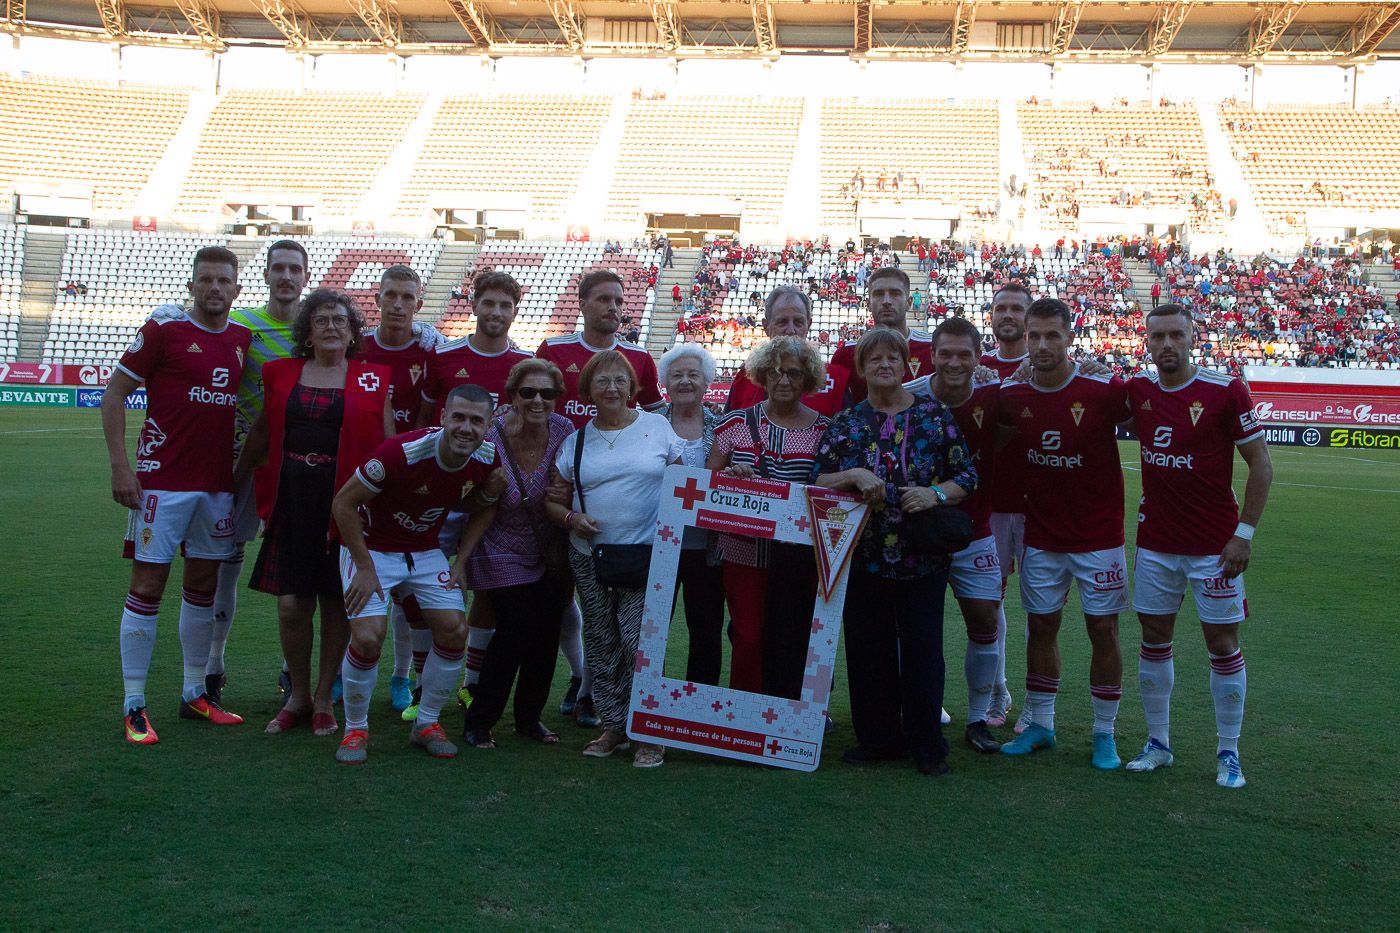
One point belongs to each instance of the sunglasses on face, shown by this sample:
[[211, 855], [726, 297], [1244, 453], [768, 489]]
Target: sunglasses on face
[[528, 393]]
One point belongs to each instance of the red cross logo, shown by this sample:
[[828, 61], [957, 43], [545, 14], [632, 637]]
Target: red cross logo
[[802, 524], [817, 625], [689, 690], [642, 663], [769, 715], [675, 694], [650, 702], [716, 706], [666, 534], [689, 493], [773, 747], [369, 382]]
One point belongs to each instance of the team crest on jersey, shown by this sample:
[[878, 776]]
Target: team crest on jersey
[[1195, 410], [573, 368], [1026, 412], [414, 372], [137, 344], [462, 374], [977, 415], [467, 487], [374, 470], [421, 491], [914, 365], [194, 348], [1077, 410]]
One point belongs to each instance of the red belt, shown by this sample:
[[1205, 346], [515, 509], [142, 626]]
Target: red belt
[[312, 459]]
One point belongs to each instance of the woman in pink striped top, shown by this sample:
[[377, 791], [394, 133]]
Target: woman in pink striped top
[[512, 567]]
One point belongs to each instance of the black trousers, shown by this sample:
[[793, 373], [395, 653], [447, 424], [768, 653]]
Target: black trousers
[[702, 590], [787, 620], [894, 661], [526, 643]]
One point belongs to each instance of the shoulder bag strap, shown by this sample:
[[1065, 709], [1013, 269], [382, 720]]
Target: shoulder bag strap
[[760, 451], [578, 467]]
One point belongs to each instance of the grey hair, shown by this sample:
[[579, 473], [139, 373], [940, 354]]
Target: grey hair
[[766, 357], [783, 291], [679, 352]]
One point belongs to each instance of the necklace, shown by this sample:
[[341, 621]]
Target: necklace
[[610, 441]]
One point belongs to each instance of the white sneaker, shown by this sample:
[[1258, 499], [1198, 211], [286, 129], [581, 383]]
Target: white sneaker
[[1024, 721], [944, 717], [1154, 755], [1227, 770]]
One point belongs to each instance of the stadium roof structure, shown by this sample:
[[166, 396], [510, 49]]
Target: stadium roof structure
[[1174, 31]]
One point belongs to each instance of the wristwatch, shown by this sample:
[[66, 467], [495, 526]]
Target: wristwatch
[[942, 496]]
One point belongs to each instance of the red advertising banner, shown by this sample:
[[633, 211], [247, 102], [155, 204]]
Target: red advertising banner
[[32, 374], [143, 224], [576, 233]]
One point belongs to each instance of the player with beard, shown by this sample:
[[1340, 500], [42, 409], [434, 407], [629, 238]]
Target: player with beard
[[404, 346], [1191, 531], [788, 313], [600, 300], [887, 290], [181, 492], [287, 274], [975, 576], [1006, 490], [1074, 523]]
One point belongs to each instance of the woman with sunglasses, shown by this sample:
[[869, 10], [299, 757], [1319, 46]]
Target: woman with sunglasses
[[520, 567]]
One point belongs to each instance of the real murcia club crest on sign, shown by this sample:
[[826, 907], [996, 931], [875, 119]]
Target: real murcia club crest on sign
[[784, 732]]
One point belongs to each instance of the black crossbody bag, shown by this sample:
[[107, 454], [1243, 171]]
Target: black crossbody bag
[[616, 566]]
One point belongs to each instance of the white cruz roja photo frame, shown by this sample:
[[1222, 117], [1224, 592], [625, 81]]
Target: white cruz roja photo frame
[[672, 711]]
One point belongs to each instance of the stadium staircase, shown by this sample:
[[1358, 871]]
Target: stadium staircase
[[1247, 233], [452, 265], [247, 249], [596, 180], [665, 315], [1382, 276], [43, 263], [386, 192], [162, 188], [1142, 278]]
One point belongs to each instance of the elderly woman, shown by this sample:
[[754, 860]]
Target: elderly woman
[[614, 464], [518, 568], [904, 456], [324, 413], [774, 439], [687, 370]]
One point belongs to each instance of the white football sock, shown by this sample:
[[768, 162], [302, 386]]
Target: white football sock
[[1040, 699], [1227, 688], [137, 641], [980, 665], [1001, 645], [478, 640], [1156, 677], [225, 604], [196, 628], [357, 677], [1105, 700], [440, 674]]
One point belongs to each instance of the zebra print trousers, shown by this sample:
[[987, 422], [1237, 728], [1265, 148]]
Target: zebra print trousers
[[612, 625]]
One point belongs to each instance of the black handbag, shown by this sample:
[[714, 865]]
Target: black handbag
[[943, 529], [616, 566]]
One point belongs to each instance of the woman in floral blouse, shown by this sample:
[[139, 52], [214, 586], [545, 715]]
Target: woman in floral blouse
[[903, 455]]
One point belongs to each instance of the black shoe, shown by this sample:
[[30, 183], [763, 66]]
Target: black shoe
[[933, 768], [214, 686], [585, 715], [570, 703], [284, 684], [979, 738], [860, 755]]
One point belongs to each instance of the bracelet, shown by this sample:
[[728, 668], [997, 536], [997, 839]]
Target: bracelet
[[569, 519], [1245, 531], [488, 500], [942, 496]]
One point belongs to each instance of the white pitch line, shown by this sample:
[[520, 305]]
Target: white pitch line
[[52, 431]]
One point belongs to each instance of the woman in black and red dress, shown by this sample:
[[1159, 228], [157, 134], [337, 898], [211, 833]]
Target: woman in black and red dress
[[322, 415]]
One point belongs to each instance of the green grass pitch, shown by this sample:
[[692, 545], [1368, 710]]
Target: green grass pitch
[[236, 829]]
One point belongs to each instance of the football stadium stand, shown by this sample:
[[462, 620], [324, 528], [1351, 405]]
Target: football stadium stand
[[11, 283]]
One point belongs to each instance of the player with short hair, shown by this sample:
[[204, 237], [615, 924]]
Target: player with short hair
[[405, 490], [888, 291], [1191, 531], [404, 346], [287, 272], [787, 312], [600, 300], [975, 575], [181, 492], [1074, 523], [1006, 490]]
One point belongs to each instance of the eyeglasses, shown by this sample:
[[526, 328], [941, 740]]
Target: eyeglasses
[[528, 393], [322, 321], [606, 382], [791, 375]]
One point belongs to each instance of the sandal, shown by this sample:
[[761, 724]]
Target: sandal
[[286, 719], [612, 740], [479, 738], [539, 733], [324, 724]]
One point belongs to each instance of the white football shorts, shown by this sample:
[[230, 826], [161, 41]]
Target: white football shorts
[[201, 521], [976, 571], [1102, 578], [423, 574], [1160, 581]]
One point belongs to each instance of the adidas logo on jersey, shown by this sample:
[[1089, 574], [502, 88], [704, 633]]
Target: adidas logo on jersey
[[573, 368], [1147, 405], [1026, 412], [194, 348], [462, 374], [421, 490]]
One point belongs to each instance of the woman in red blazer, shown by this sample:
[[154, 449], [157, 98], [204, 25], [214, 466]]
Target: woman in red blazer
[[323, 413]]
